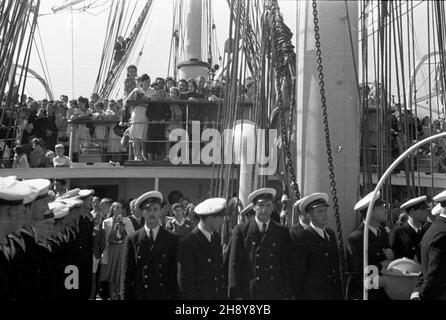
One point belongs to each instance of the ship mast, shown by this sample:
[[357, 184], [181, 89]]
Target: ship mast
[[341, 92], [191, 61]]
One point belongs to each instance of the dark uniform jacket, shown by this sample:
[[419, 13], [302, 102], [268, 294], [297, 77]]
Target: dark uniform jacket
[[149, 270], [355, 260], [17, 276], [4, 272], [32, 262], [405, 242], [432, 281], [259, 264], [201, 273], [85, 256], [315, 266]]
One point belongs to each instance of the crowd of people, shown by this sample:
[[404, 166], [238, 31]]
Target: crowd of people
[[72, 245], [31, 130]]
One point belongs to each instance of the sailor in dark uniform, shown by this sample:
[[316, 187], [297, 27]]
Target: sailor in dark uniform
[[86, 226], [380, 253], [432, 281], [12, 209], [150, 256], [201, 274], [37, 208], [136, 218], [316, 254], [405, 239], [59, 249], [45, 265], [259, 254]]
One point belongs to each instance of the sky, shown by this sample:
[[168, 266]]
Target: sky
[[89, 28]]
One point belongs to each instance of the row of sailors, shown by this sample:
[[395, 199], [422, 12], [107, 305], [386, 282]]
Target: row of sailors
[[264, 260], [39, 241]]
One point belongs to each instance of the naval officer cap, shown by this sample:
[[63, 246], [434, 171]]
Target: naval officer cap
[[415, 203], [313, 201], [72, 202], [436, 210], [85, 193], [441, 198], [212, 206], [59, 209], [148, 198], [262, 194], [364, 202], [70, 194], [40, 188], [12, 192]]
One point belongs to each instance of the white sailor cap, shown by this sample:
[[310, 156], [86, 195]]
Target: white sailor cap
[[436, 210], [70, 194], [415, 203], [313, 201], [262, 194], [12, 192], [59, 209], [211, 206], [441, 197], [84, 193], [365, 201], [40, 188], [148, 198], [72, 202]]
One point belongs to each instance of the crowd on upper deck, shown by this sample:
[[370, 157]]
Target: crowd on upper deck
[[35, 132]]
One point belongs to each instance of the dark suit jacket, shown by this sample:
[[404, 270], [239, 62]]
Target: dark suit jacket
[[4, 273], [149, 271], [432, 281], [200, 267], [259, 264], [405, 242], [355, 260], [315, 266]]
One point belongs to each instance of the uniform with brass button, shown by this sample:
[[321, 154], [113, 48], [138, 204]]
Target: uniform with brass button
[[259, 256], [379, 247], [315, 263], [201, 273], [150, 256], [405, 239], [432, 280]]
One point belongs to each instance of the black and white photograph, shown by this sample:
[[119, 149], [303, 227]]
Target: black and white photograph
[[222, 155]]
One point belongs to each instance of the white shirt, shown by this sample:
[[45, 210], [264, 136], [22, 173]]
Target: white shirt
[[320, 231], [204, 232], [260, 224], [154, 232]]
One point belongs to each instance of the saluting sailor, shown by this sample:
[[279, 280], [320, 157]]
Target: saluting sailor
[[315, 267], [380, 252], [405, 239], [260, 253], [150, 256], [201, 273], [432, 281]]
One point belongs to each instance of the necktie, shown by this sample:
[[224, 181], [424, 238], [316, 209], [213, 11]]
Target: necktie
[[264, 228], [326, 237], [150, 235]]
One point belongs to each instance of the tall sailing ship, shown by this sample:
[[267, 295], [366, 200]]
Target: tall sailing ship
[[344, 100]]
